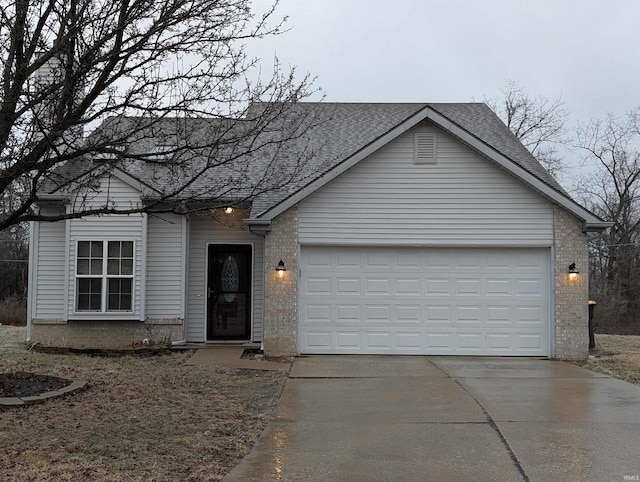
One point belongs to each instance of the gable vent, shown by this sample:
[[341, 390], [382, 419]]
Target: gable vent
[[425, 148]]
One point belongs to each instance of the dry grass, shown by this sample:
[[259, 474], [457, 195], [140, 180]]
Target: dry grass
[[619, 356], [140, 419]]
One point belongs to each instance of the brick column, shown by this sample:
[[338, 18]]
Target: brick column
[[280, 317], [571, 297]]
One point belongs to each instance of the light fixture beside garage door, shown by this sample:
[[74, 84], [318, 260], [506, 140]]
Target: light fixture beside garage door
[[573, 272], [281, 269]]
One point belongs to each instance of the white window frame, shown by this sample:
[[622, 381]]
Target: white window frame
[[104, 277]]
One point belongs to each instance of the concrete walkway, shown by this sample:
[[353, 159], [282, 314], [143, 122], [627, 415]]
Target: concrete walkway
[[374, 418]]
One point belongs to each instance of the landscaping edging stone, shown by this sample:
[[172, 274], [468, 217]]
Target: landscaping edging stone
[[72, 386]]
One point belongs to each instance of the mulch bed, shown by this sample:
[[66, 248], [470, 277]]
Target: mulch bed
[[23, 384]]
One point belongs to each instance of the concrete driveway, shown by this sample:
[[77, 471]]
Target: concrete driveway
[[370, 418]]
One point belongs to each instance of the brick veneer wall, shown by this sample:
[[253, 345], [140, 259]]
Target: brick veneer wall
[[104, 334], [280, 317], [571, 297]]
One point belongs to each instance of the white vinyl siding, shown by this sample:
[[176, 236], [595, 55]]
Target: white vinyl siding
[[49, 271], [461, 200], [430, 301], [110, 228], [166, 253], [204, 231]]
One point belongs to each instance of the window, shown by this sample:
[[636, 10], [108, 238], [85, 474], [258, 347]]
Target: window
[[104, 276]]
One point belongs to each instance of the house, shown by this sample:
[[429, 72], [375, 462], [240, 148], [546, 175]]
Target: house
[[416, 229]]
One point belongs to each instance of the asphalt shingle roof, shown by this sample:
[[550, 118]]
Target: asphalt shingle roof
[[336, 132]]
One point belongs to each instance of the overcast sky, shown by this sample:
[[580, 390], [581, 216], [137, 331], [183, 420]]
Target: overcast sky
[[587, 51]]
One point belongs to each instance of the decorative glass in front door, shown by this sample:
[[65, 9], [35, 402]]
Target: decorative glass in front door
[[229, 292]]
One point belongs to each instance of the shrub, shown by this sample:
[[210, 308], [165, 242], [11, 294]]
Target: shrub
[[13, 311]]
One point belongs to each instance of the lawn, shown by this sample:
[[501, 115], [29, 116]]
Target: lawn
[[141, 418], [154, 418], [618, 356]]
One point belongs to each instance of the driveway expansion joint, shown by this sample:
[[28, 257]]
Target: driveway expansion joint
[[497, 430]]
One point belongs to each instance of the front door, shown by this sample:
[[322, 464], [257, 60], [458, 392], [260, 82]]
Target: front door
[[229, 292]]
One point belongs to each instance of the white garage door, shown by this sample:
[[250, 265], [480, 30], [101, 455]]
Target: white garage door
[[472, 301]]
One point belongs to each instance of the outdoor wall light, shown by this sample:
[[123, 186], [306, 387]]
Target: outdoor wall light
[[573, 272], [228, 210], [281, 269]]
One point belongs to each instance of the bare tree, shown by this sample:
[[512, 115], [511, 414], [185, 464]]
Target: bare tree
[[539, 123], [174, 70], [612, 191]]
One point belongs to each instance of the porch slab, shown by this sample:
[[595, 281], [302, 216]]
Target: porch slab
[[231, 357]]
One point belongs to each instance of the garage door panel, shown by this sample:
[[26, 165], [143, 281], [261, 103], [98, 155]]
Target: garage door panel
[[424, 301], [438, 314], [378, 286], [439, 259], [348, 286], [500, 341], [409, 341], [529, 287], [319, 259], [382, 341], [438, 287], [349, 259], [498, 287], [348, 340], [468, 342], [533, 314], [468, 262], [378, 258], [533, 341], [379, 313], [409, 313], [532, 261], [348, 313], [317, 340], [408, 287], [321, 313], [468, 287], [318, 286], [468, 314], [410, 261]]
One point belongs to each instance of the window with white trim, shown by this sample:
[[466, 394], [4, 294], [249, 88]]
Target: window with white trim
[[104, 276]]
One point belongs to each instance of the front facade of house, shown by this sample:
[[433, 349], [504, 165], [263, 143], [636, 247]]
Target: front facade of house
[[426, 242]]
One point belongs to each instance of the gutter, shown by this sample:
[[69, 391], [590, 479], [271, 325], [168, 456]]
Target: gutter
[[258, 226], [596, 227], [53, 197]]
